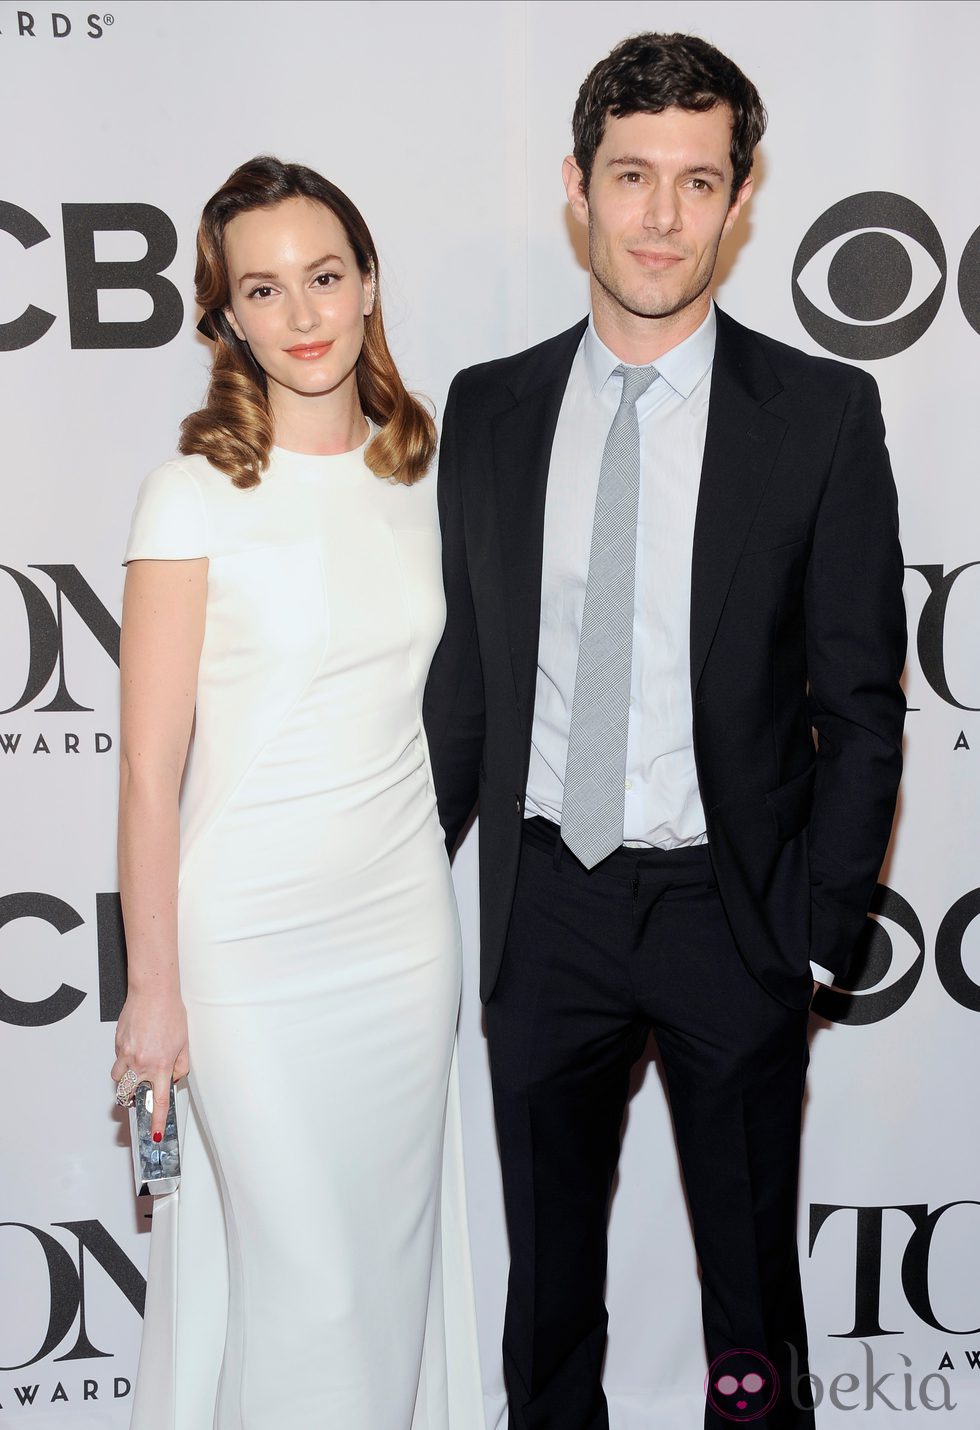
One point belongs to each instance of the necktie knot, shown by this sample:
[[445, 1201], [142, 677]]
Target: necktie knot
[[636, 380]]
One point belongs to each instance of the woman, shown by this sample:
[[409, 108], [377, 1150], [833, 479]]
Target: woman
[[283, 600]]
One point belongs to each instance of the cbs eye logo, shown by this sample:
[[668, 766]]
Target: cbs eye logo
[[900, 953], [876, 260]]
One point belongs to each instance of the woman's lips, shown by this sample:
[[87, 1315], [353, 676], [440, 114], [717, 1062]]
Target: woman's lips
[[308, 352]]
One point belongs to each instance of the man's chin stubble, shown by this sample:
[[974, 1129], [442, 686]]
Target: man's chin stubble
[[650, 307]]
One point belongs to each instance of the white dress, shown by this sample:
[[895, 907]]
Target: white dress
[[312, 1272]]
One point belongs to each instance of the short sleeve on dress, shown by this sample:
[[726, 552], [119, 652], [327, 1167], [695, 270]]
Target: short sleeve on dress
[[170, 521]]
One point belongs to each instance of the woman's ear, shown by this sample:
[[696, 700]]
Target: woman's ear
[[233, 322], [370, 288]]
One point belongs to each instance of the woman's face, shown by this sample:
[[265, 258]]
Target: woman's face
[[297, 296]]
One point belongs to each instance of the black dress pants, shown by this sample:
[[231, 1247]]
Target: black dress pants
[[593, 961]]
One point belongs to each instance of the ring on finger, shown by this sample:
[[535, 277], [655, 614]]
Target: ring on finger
[[126, 1086]]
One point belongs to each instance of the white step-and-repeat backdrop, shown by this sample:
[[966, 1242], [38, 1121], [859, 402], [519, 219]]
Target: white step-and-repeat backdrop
[[447, 123]]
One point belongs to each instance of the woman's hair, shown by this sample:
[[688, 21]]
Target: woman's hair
[[234, 429]]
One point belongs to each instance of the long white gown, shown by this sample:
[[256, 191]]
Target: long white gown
[[312, 1272]]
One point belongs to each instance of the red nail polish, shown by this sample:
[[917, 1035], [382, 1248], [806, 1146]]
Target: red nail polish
[[158, 1136]]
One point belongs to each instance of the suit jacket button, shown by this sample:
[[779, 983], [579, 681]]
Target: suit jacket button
[[517, 800]]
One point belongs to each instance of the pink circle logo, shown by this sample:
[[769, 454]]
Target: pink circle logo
[[741, 1385]]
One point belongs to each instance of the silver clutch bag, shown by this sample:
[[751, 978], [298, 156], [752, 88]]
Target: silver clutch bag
[[156, 1165]]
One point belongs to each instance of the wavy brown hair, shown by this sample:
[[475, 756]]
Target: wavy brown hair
[[234, 429]]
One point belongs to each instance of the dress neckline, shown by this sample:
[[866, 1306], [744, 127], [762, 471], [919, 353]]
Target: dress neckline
[[358, 451], [330, 467]]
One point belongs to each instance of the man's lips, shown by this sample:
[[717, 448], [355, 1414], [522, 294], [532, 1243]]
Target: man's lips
[[309, 351], [653, 259]]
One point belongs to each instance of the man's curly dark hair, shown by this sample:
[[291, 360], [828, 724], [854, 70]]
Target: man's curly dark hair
[[649, 73]]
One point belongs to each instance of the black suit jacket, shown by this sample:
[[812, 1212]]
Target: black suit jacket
[[797, 625]]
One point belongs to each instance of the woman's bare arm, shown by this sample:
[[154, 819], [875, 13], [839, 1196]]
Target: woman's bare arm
[[162, 635]]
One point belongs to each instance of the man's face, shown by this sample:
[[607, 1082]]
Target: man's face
[[657, 208]]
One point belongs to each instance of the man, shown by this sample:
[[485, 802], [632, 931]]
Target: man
[[671, 555]]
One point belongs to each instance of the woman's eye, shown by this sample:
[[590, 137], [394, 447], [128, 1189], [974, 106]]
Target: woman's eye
[[262, 291], [326, 280]]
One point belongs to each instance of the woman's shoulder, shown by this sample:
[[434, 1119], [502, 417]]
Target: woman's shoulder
[[170, 520], [187, 471]]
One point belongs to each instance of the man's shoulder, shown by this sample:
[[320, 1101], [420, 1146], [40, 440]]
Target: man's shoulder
[[521, 372], [505, 380], [793, 367]]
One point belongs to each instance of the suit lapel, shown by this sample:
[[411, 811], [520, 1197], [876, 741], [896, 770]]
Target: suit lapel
[[741, 446], [523, 436]]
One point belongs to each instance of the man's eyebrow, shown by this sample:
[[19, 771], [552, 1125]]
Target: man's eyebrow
[[634, 161], [709, 170], [310, 267]]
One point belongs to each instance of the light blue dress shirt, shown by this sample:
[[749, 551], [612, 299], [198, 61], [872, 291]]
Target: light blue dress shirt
[[663, 807]]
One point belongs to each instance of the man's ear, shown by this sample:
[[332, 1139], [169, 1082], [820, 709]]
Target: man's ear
[[575, 189], [234, 323], [739, 200]]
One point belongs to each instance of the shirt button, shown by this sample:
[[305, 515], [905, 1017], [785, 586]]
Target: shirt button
[[629, 784]]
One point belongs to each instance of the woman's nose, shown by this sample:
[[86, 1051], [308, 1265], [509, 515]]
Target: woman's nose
[[302, 314]]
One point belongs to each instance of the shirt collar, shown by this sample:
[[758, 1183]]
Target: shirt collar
[[682, 368]]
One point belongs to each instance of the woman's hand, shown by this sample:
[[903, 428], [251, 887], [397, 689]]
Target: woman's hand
[[151, 1038]]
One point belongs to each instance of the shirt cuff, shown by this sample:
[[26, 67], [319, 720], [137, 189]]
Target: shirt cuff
[[822, 975]]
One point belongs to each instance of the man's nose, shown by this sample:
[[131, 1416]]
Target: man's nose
[[662, 212]]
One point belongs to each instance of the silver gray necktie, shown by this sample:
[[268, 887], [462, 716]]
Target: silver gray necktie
[[595, 770]]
